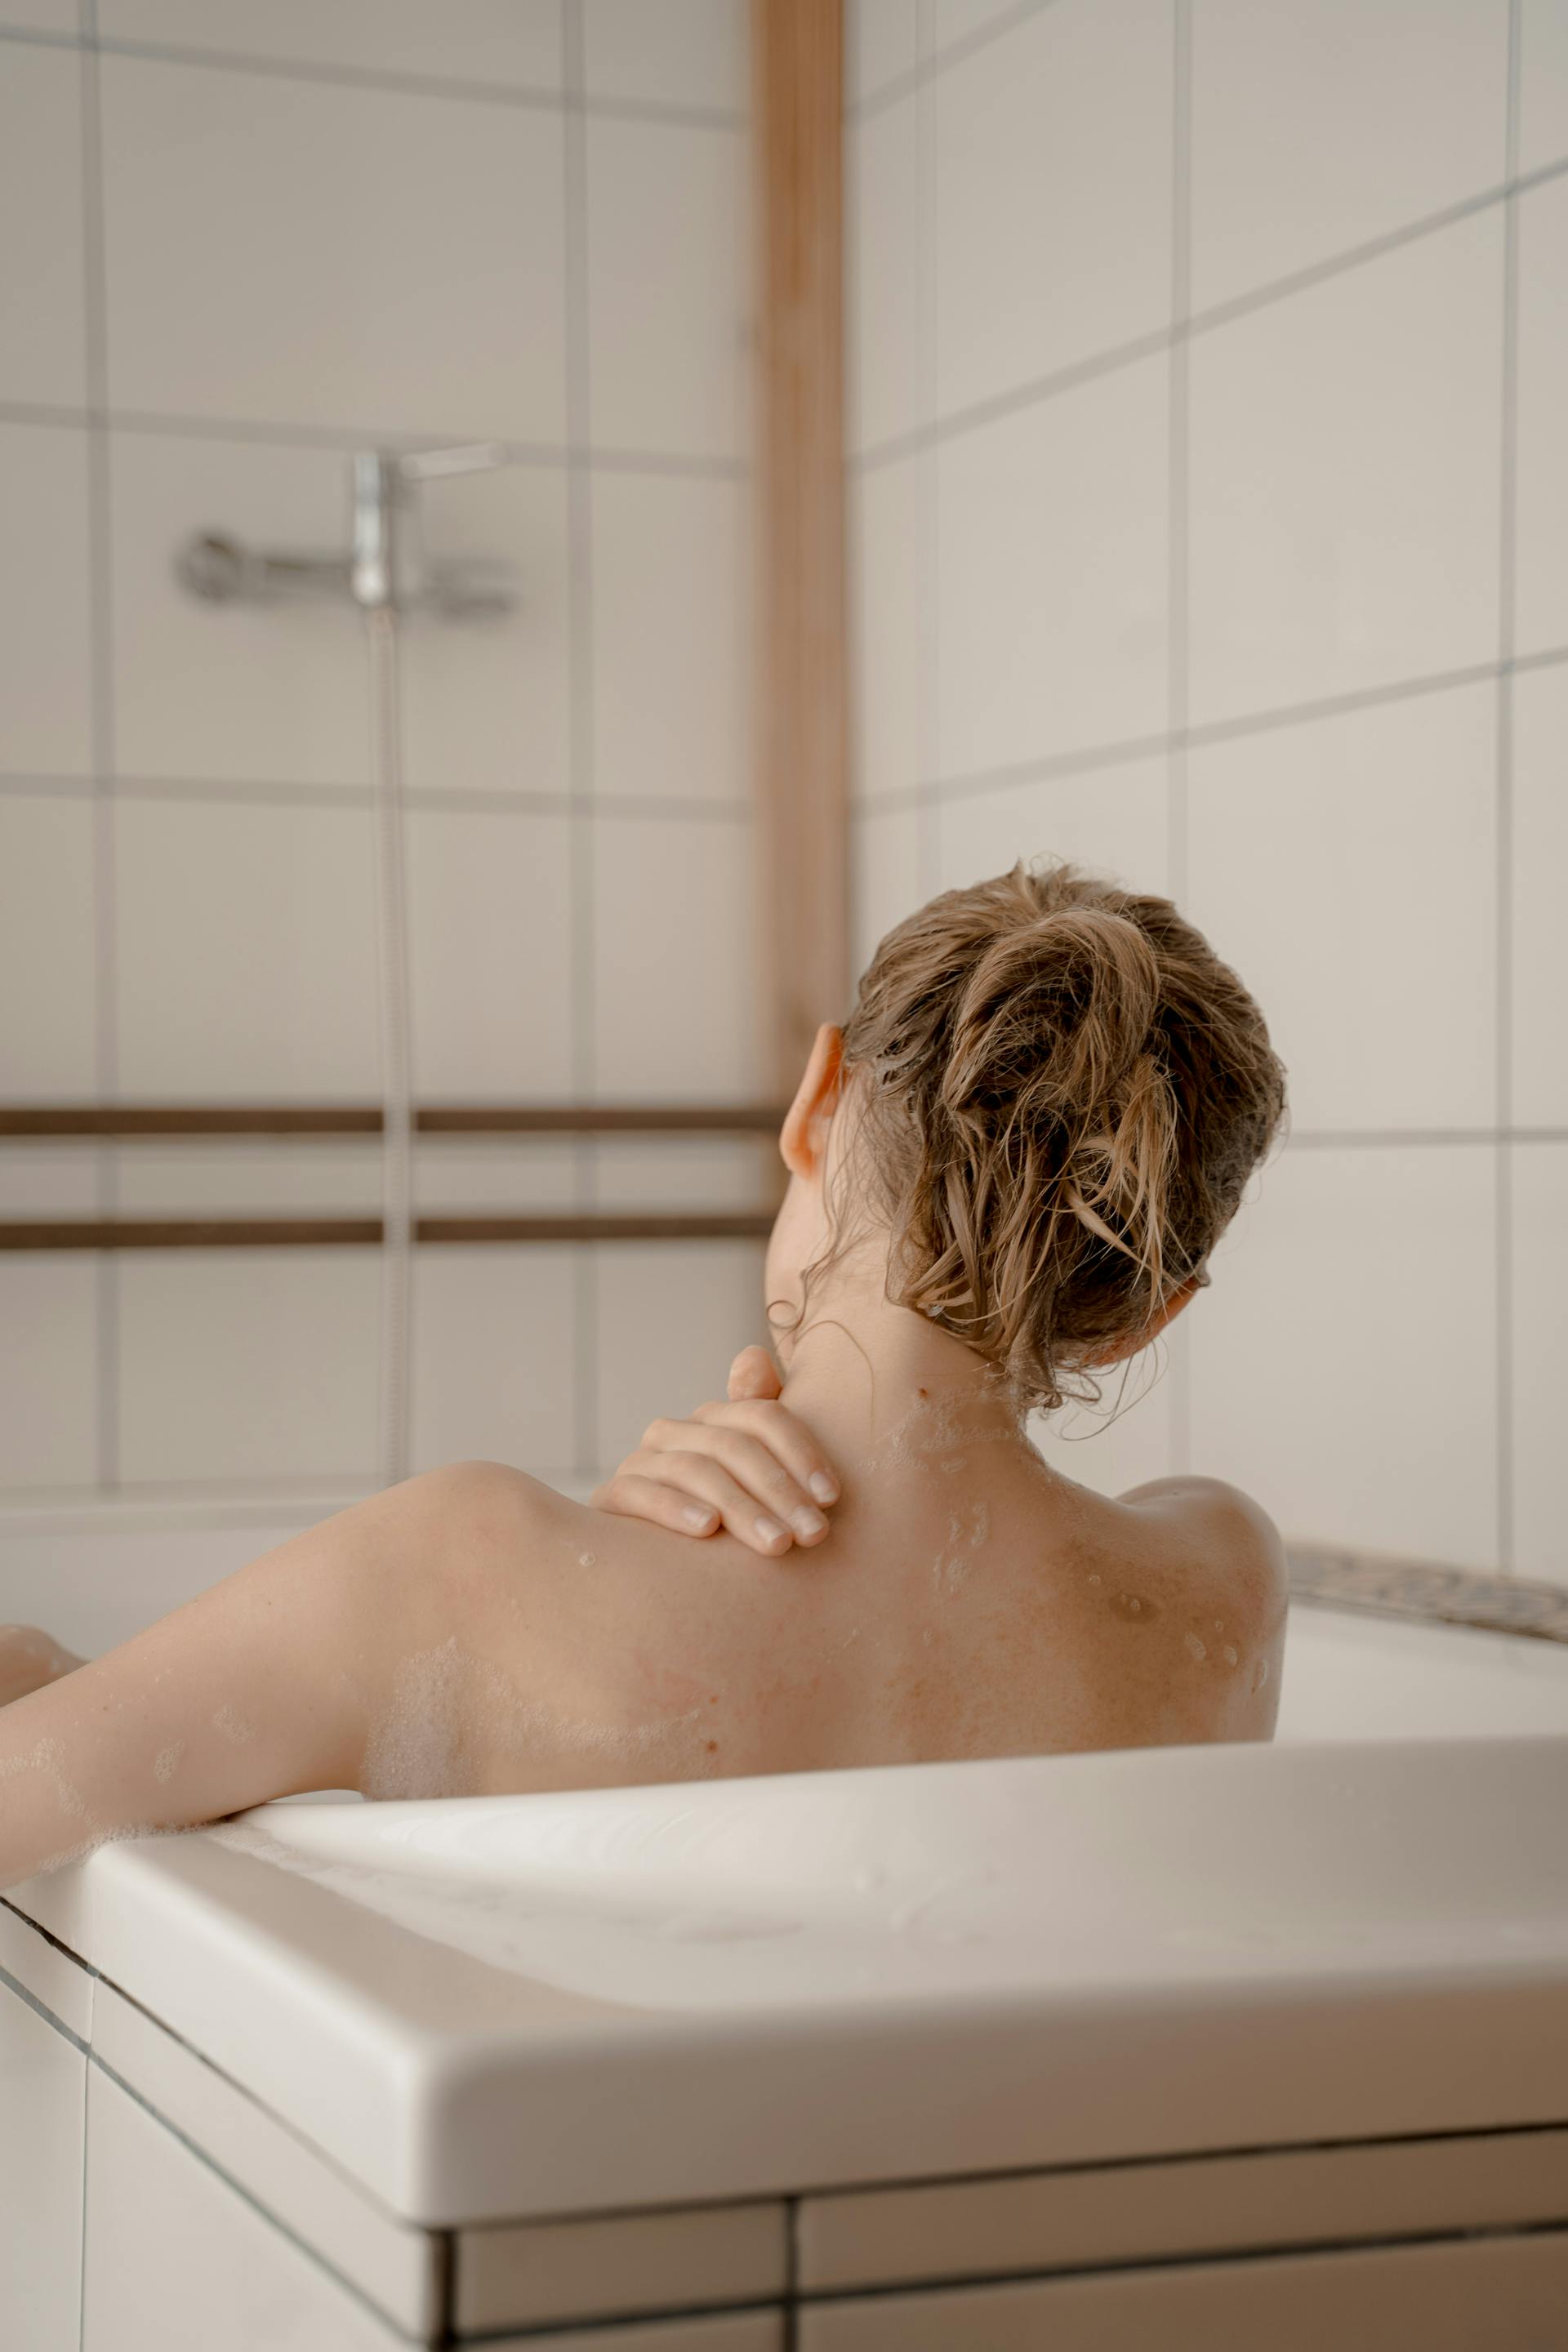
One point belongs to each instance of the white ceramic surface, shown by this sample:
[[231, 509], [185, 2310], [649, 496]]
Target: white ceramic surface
[[495, 2006]]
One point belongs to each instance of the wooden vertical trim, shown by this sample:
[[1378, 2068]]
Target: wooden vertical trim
[[803, 785]]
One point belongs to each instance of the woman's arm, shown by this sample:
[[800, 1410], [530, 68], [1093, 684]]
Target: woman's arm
[[269, 1684]]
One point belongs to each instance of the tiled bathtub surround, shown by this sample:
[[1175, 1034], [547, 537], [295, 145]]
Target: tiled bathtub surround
[[247, 240], [1208, 508]]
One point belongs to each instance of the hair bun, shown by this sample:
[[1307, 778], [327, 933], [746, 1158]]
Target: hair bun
[[1056, 1010]]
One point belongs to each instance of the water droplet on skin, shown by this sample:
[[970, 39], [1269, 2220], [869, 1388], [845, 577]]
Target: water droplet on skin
[[1195, 1648], [586, 1558], [1219, 1624], [1094, 1579], [1133, 1608], [1261, 1677], [1228, 1654]]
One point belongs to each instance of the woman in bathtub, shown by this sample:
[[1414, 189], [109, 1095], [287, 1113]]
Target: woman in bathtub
[[1007, 1174]]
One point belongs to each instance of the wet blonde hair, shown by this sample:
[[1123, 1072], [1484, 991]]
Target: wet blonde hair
[[1058, 1093]]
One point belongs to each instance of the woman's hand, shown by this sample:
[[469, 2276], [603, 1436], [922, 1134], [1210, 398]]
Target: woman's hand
[[748, 1465]]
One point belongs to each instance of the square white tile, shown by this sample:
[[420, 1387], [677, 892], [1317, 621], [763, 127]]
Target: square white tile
[[673, 630], [536, 2272], [885, 851], [1539, 1249], [882, 43], [48, 1369], [889, 387], [487, 700], [1345, 468], [390, 2262], [43, 356], [1317, 130], [1344, 1363], [675, 960], [310, 253], [1543, 83], [669, 292], [45, 682], [1346, 867], [503, 43], [961, 20], [1114, 821], [1051, 553], [1541, 562], [48, 948], [44, 15], [490, 927], [890, 591], [247, 1365], [246, 951], [41, 2147], [276, 693], [1052, 203], [671, 1317], [1538, 1009], [683, 53], [173, 2254], [495, 1345]]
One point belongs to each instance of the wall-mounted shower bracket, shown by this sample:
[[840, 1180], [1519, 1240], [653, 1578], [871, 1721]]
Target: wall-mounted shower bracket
[[385, 566]]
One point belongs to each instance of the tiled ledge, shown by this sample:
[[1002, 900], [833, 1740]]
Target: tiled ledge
[[1391, 1587]]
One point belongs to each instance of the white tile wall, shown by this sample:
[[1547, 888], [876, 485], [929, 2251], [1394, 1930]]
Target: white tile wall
[[1128, 1438], [671, 1317], [1113, 820], [1292, 111], [883, 44], [487, 703], [674, 999], [489, 923], [42, 15], [954, 21], [494, 1348], [1543, 84], [241, 1366], [1052, 575], [47, 946], [43, 351], [670, 343], [887, 385], [40, 2180], [1539, 1253], [359, 301], [1348, 869], [274, 693], [246, 951], [1345, 462], [683, 53], [1542, 503], [889, 599], [501, 43], [1538, 1011], [1344, 1363], [45, 718], [157, 2215], [885, 848], [48, 1367], [672, 638], [1051, 237]]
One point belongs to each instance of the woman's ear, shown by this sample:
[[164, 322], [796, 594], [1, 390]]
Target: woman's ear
[[803, 1139]]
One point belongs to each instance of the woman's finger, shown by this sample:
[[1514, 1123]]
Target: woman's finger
[[784, 1435], [753, 1373], [750, 1462], [704, 1477], [663, 1505]]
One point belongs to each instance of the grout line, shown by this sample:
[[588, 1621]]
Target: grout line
[[928, 522], [441, 799], [583, 778], [1503, 879], [101, 647], [1179, 1358], [1040, 388], [521, 95], [174, 425]]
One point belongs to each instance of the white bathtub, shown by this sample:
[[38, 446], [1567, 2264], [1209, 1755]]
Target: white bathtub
[[1208, 2047]]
